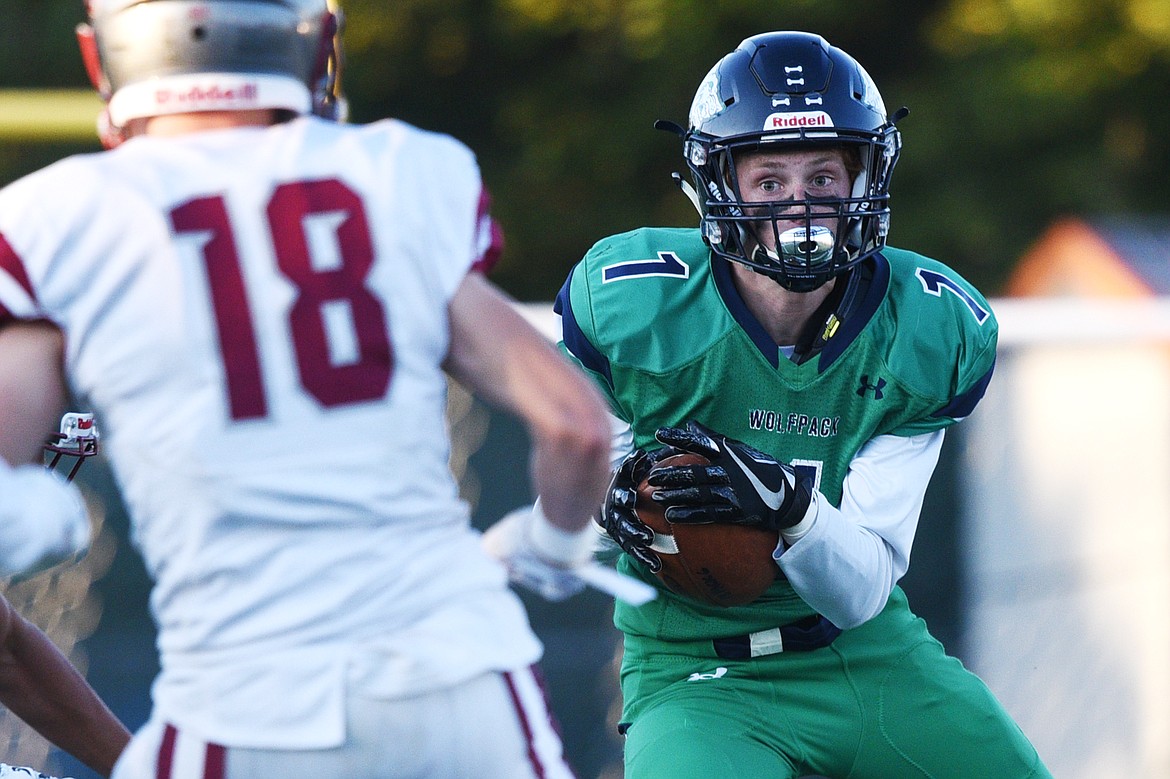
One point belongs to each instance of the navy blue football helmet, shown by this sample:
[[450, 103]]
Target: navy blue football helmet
[[780, 91]]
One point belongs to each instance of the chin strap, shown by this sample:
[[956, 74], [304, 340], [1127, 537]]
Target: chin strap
[[110, 134], [688, 190], [686, 187]]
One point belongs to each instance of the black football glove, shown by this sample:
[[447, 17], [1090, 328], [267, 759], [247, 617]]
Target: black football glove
[[617, 514], [741, 486]]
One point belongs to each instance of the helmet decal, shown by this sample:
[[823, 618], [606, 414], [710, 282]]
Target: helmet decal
[[707, 103], [870, 95]]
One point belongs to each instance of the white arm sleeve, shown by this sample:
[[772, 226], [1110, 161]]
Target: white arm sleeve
[[847, 562], [621, 440], [42, 519]]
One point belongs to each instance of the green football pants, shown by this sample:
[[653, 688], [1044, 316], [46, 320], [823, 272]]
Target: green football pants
[[884, 701]]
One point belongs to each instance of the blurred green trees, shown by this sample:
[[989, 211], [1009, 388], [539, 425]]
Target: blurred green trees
[[1021, 110]]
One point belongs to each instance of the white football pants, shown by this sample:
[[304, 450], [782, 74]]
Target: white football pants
[[495, 726]]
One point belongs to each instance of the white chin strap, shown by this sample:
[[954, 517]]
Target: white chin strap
[[208, 92]]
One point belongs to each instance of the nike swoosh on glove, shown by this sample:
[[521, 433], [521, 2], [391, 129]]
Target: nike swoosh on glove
[[741, 486]]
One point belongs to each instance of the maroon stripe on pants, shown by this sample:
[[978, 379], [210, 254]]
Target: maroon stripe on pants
[[526, 726], [213, 764], [538, 676], [166, 752]]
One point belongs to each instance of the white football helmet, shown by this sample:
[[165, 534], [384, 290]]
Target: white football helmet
[[78, 439], [156, 57]]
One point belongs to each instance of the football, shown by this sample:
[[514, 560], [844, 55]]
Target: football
[[718, 564]]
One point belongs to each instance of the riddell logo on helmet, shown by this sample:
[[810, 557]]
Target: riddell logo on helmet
[[214, 94], [797, 120]]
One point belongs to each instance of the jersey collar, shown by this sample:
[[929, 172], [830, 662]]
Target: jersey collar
[[865, 289]]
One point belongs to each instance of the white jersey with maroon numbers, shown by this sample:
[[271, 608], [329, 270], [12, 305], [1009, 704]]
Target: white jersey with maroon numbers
[[257, 317]]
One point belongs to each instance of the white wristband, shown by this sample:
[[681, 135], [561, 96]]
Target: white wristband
[[800, 529], [562, 547]]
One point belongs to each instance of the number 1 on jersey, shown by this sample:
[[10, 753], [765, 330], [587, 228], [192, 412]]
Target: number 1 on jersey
[[367, 377]]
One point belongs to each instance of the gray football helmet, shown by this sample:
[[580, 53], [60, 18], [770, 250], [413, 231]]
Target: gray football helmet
[[779, 91], [155, 57]]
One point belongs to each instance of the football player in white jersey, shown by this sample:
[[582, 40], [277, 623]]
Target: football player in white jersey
[[258, 303], [37, 682]]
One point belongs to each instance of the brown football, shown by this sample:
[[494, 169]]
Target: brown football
[[723, 565]]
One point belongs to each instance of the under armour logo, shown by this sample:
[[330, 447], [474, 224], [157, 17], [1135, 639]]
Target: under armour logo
[[876, 387], [717, 673]]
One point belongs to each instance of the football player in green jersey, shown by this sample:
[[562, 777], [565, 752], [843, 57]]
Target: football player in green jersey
[[817, 368]]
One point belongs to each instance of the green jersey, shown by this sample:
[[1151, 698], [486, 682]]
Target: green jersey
[[657, 320]]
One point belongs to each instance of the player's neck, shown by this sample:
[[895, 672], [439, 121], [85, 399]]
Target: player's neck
[[783, 314], [183, 124]]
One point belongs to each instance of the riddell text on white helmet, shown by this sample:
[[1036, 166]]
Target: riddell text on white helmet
[[246, 93]]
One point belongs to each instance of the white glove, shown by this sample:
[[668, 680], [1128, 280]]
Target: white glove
[[42, 520], [539, 555]]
